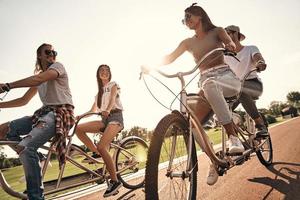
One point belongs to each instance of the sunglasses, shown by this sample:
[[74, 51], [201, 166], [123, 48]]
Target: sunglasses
[[187, 17], [50, 52]]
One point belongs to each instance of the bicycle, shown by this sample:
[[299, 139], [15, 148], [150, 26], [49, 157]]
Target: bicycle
[[172, 156], [129, 155]]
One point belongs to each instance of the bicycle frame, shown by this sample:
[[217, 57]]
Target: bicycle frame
[[199, 135], [57, 188], [186, 111]]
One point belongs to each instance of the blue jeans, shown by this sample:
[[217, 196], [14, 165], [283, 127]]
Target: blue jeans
[[35, 136]]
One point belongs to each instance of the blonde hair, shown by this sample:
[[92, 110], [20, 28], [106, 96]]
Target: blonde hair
[[38, 66]]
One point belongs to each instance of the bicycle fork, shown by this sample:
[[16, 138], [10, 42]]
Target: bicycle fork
[[189, 168]]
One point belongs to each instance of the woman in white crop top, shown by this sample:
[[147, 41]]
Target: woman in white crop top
[[217, 79], [108, 103]]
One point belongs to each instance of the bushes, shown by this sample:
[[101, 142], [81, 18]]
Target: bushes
[[270, 119]]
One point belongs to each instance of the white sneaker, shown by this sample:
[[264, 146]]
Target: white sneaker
[[212, 176], [235, 145]]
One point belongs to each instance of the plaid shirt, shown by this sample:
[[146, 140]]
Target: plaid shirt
[[64, 120]]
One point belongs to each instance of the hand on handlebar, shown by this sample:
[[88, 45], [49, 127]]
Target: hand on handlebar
[[230, 46], [78, 117], [105, 114], [2, 88], [261, 66], [144, 70]]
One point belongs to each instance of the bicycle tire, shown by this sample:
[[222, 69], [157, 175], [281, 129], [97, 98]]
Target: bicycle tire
[[12, 183], [179, 124], [266, 160], [138, 154]]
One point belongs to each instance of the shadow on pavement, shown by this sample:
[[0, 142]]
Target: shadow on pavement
[[286, 180], [132, 195]]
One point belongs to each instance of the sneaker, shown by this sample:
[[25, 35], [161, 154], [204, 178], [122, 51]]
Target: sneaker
[[261, 131], [94, 155], [235, 145], [212, 176], [112, 188]]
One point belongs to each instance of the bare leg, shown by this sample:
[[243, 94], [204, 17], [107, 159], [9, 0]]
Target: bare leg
[[202, 108], [89, 127], [3, 130], [108, 135]]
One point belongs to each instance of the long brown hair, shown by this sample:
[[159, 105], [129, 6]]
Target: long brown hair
[[100, 84], [38, 65], [207, 25]]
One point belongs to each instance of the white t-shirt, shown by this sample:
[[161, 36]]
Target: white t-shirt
[[246, 62], [57, 91], [106, 97]]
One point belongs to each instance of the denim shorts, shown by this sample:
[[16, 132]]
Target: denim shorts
[[114, 118]]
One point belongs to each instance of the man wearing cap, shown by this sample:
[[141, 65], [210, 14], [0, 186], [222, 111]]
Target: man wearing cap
[[250, 58]]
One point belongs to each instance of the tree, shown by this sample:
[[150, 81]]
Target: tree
[[2, 158], [294, 98], [276, 107]]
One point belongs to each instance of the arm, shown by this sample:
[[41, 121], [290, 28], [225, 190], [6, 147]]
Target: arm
[[259, 62], [225, 38], [20, 101], [112, 100], [170, 58], [35, 80]]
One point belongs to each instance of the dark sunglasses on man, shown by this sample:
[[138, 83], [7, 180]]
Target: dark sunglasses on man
[[50, 52]]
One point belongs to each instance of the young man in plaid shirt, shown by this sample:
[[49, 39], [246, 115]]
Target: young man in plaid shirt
[[54, 119]]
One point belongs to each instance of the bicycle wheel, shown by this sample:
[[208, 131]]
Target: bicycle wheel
[[12, 177], [265, 152], [130, 162], [166, 176]]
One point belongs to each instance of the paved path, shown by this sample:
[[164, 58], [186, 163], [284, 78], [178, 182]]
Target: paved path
[[251, 180]]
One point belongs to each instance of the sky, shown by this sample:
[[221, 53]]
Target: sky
[[127, 34]]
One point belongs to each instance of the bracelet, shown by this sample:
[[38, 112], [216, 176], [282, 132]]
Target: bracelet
[[6, 87]]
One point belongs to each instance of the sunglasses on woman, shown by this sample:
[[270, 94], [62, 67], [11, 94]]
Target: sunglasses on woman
[[187, 17], [50, 52]]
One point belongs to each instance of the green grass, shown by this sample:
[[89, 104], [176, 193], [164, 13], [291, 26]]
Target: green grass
[[14, 174]]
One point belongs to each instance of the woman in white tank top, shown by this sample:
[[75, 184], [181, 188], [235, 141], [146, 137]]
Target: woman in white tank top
[[108, 103]]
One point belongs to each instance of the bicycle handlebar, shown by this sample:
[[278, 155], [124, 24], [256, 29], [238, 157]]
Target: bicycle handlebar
[[181, 74]]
